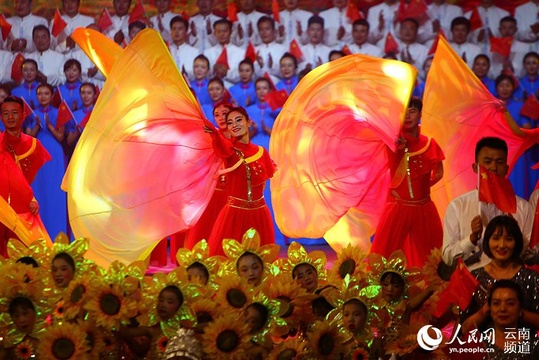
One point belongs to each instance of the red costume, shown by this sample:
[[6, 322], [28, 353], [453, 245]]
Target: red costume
[[27, 152], [247, 168], [410, 220]]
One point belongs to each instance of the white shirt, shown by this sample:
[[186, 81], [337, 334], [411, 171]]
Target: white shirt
[[203, 40], [184, 55], [165, 22], [457, 226], [417, 52], [118, 23], [276, 51], [491, 17], [289, 20], [314, 54], [468, 49], [234, 56], [6, 61], [98, 79], [518, 50], [21, 28], [333, 20], [527, 14], [246, 19], [366, 49], [388, 12], [444, 13], [51, 64], [79, 20]]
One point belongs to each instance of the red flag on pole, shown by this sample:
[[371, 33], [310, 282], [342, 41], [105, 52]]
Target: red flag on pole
[[58, 24], [346, 50], [497, 190], [16, 68], [105, 21], [250, 53], [184, 15], [275, 11], [352, 12], [391, 45], [223, 58], [296, 50], [268, 76], [64, 114], [414, 9], [232, 12], [501, 45], [531, 108], [6, 27], [56, 97], [475, 20], [138, 12], [84, 120], [432, 49], [27, 111], [276, 99]]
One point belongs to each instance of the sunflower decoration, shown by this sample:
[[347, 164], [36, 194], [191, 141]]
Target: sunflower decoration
[[297, 255], [59, 311], [76, 250], [200, 254], [233, 293], [273, 324], [292, 348], [325, 340], [436, 271], [75, 297], [287, 292], [22, 284], [205, 311], [63, 341], [350, 261], [226, 338], [360, 354], [128, 277], [250, 244], [37, 252], [95, 338], [109, 307], [26, 349], [152, 287]]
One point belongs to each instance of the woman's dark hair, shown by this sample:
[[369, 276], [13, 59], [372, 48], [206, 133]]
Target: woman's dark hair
[[290, 56], [20, 302], [201, 267], [223, 103], [503, 77], [506, 284], [482, 56], [239, 109], [68, 259], [393, 277], [496, 227], [69, 63], [89, 84], [45, 85], [248, 253], [294, 272]]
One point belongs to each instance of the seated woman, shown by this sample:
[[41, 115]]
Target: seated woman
[[503, 243]]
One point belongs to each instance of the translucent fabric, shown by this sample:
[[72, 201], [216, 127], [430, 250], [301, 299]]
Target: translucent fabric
[[458, 110], [331, 143], [143, 168]]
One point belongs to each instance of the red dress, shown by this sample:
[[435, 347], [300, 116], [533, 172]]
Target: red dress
[[248, 166], [410, 220]]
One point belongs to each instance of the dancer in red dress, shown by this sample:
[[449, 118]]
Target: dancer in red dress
[[247, 167], [410, 220]]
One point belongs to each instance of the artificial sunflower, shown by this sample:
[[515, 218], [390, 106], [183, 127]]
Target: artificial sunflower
[[75, 249], [226, 338], [37, 250], [200, 254], [274, 324], [292, 348], [360, 354], [350, 261], [325, 341], [128, 277], [59, 311], [94, 338], [152, 287], [75, 296], [396, 263], [110, 307], [205, 310], [233, 293], [297, 255], [162, 344], [436, 271], [25, 350], [65, 341]]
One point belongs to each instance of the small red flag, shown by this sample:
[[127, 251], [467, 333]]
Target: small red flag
[[432, 49], [346, 50], [138, 12], [391, 45], [501, 45], [276, 99], [16, 68], [223, 58], [64, 114], [531, 108], [105, 21], [185, 16], [275, 11], [459, 290], [232, 12], [352, 12], [497, 190], [6, 27], [268, 76], [84, 120], [250, 53], [475, 20], [58, 24], [27, 111], [56, 98], [296, 50], [414, 9]]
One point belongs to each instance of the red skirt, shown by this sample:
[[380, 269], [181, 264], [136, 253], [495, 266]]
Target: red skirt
[[238, 216]]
